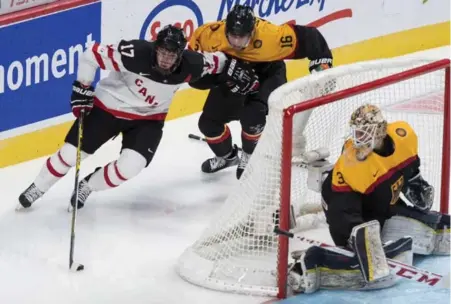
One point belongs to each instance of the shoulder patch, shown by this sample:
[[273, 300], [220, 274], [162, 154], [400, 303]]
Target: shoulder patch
[[257, 44], [401, 132]]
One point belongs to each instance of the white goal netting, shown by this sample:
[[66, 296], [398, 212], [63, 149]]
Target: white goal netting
[[238, 251]]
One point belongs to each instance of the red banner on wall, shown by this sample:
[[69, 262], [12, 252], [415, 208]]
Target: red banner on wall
[[8, 6]]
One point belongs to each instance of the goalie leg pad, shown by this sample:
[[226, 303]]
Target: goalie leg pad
[[367, 245], [430, 231], [323, 268]]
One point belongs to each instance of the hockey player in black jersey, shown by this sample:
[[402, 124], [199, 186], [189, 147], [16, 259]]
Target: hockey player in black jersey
[[365, 211], [133, 100]]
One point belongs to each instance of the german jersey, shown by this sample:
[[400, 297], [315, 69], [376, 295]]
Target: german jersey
[[358, 191], [270, 42]]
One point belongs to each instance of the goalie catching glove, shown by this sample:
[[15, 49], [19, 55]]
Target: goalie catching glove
[[82, 98], [329, 268], [419, 193]]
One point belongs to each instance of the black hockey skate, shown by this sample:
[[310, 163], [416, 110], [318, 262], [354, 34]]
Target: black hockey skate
[[217, 163], [29, 196], [243, 163], [83, 192]]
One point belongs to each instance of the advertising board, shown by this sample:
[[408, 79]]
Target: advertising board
[[9, 6], [37, 70]]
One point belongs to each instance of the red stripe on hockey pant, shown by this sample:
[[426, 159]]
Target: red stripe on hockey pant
[[251, 137], [107, 178], [111, 56], [95, 50], [220, 138], [116, 170], [52, 170], [126, 115], [62, 160]]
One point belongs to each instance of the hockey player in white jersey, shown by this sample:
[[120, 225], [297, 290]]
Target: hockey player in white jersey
[[133, 100]]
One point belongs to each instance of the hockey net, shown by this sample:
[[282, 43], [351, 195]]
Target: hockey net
[[238, 252]]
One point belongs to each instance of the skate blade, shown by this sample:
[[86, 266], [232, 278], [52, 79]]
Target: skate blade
[[20, 208]]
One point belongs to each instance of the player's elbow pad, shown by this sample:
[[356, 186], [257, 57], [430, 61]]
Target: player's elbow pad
[[419, 193], [311, 43], [87, 67]]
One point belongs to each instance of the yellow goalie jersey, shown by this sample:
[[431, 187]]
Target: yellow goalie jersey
[[270, 42], [359, 191], [383, 174]]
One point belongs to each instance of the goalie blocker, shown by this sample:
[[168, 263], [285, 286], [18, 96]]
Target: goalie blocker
[[323, 268]]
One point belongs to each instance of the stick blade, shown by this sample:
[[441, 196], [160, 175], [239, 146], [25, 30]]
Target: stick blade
[[75, 267]]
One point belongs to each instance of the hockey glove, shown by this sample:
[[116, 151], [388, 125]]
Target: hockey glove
[[240, 79], [419, 193], [82, 98], [319, 65]]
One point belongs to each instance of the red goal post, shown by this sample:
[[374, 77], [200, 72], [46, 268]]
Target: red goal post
[[289, 112]]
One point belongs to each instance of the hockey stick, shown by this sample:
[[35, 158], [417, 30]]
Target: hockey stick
[[400, 269], [76, 266], [193, 136]]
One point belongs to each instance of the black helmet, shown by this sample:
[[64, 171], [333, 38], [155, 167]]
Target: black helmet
[[172, 39], [240, 21]]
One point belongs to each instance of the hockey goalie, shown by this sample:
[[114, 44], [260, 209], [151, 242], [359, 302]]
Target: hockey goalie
[[377, 205]]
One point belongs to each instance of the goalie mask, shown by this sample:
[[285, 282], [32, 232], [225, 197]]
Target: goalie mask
[[368, 129]]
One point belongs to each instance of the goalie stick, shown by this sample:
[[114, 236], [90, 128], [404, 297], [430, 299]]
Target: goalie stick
[[402, 270]]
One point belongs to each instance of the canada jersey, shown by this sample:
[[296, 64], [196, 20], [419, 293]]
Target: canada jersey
[[134, 89], [270, 42]]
